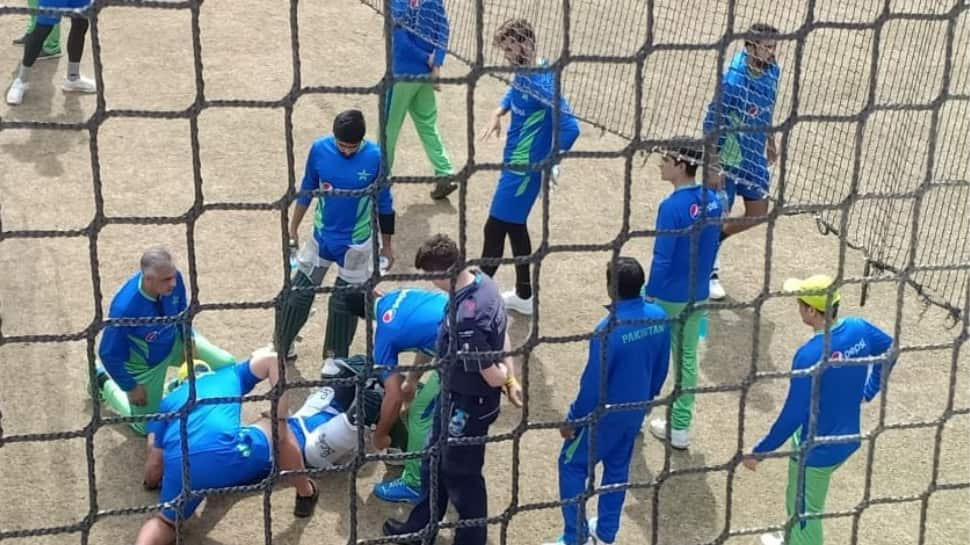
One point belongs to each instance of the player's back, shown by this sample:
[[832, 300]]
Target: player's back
[[343, 217], [409, 319], [842, 386], [637, 352], [211, 426]]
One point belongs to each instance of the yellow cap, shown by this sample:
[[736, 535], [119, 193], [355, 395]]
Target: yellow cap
[[813, 291], [200, 366]]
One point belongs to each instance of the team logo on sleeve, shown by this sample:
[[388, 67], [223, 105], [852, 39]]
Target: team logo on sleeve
[[151, 336], [326, 186], [388, 316], [753, 110], [695, 210]]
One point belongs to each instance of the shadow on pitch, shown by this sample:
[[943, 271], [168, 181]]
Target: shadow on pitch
[[729, 344], [686, 509]]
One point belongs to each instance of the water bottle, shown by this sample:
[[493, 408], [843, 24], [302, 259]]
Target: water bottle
[[703, 327]]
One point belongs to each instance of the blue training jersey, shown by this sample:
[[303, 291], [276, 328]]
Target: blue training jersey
[[746, 101], [674, 254], [407, 321], [841, 392], [343, 219], [421, 31], [530, 98], [211, 426], [637, 357], [145, 344]]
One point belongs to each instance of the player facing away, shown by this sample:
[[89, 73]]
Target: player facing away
[[134, 359], [843, 385], [531, 99], [749, 89], [342, 234], [471, 390], [636, 352], [52, 45], [222, 451], [408, 320], [419, 44], [688, 234], [34, 44]]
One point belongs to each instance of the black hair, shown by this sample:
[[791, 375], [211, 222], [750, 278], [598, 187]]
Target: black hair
[[761, 28], [833, 309], [349, 126], [629, 277]]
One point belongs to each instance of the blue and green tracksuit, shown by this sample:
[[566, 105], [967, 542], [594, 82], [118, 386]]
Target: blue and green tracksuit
[[747, 101], [691, 213], [408, 320], [141, 354], [842, 390], [342, 221], [637, 358], [530, 98]]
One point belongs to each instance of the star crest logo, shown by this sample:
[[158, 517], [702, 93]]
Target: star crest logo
[[363, 175]]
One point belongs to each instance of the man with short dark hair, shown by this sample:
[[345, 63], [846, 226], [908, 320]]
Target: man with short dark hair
[[635, 349], [843, 385], [341, 162], [688, 235], [749, 90], [471, 390], [135, 358]]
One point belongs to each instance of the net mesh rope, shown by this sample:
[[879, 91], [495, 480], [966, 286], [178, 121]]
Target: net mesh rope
[[882, 192]]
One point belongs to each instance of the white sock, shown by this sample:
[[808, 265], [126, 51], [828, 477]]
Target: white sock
[[24, 73], [73, 71]]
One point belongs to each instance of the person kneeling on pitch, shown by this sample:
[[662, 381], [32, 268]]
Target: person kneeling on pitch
[[222, 452], [844, 386], [637, 359]]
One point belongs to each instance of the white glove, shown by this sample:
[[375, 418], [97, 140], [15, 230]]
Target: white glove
[[554, 178]]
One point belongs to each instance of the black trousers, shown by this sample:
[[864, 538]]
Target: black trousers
[[459, 472], [518, 234]]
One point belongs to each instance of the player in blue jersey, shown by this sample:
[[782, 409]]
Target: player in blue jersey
[[749, 90], [342, 233], [408, 320], [531, 99], [222, 451], [637, 356], [418, 46], [689, 229], [850, 374], [135, 358], [34, 44]]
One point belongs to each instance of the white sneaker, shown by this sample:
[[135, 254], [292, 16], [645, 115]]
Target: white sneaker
[[716, 289], [679, 439], [316, 402], [15, 95], [516, 303], [79, 85], [774, 538]]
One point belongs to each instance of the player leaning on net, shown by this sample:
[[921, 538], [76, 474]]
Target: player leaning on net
[[419, 44], [842, 385], [637, 355], [135, 358], [689, 228], [34, 44], [749, 89], [342, 233], [471, 391], [222, 451], [531, 99]]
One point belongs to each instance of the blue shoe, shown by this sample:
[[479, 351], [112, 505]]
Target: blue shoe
[[396, 491]]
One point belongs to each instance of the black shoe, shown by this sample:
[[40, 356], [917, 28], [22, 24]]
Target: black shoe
[[20, 40], [306, 504], [443, 189], [394, 527]]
